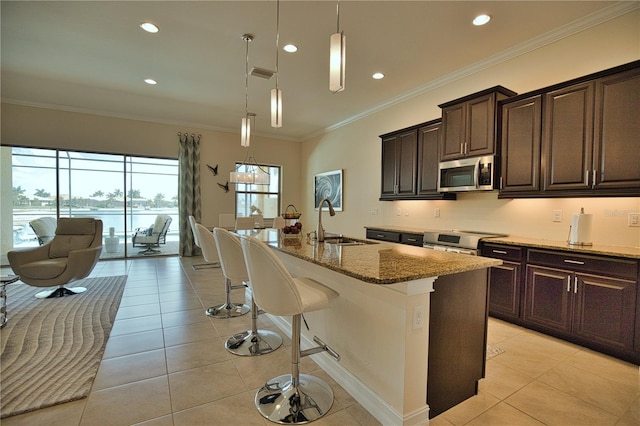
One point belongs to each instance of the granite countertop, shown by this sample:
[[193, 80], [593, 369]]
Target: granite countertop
[[377, 263], [595, 249]]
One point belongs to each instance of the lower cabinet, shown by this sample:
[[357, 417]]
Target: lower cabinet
[[591, 307], [585, 299], [505, 281]]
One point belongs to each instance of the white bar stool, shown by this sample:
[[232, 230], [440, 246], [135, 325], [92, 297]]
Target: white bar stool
[[251, 342], [290, 398], [210, 254]]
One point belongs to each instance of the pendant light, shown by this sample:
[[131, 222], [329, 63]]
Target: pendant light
[[276, 94], [337, 56], [245, 131], [249, 172]]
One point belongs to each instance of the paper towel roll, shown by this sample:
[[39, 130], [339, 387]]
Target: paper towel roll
[[581, 229]]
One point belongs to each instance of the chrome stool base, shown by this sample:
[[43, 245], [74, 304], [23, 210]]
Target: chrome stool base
[[281, 402], [249, 343], [227, 310]]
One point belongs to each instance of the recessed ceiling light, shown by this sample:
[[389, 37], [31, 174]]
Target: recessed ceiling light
[[291, 48], [378, 76], [149, 27], [150, 81], [481, 20]]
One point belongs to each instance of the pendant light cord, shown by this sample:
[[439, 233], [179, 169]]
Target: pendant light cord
[[277, 42], [338, 16]]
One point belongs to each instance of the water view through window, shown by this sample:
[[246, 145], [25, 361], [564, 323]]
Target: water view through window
[[126, 192]]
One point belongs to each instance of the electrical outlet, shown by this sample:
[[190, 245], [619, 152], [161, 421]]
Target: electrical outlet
[[418, 317], [398, 211], [436, 213], [556, 216], [406, 212], [634, 219], [374, 211]]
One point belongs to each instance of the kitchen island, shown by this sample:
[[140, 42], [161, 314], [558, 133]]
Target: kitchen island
[[405, 315]]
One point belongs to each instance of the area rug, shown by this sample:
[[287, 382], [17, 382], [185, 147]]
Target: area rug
[[493, 351], [51, 348]]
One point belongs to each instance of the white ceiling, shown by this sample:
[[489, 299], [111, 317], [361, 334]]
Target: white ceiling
[[91, 56]]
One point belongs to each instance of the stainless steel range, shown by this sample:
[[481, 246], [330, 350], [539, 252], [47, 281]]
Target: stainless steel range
[[456, 241]]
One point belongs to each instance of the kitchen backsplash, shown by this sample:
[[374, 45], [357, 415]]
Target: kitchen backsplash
[[532, 218]]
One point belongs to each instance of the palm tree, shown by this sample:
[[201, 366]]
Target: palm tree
[[42, 193]]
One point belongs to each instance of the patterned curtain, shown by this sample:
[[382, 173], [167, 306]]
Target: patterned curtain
[[188, 190]]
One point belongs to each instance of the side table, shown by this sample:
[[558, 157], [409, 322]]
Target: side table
[[3, 297]]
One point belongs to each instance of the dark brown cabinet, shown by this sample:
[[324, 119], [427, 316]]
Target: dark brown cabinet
[[469, 124], [617, 131], [521, 145], [588, 299], [399, 168], [574, 139], [409, 238], [428, 140], [410, 163], [568, 137], [505, 281]]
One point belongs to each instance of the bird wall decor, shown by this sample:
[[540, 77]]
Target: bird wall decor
[[225, 186], [214, 170]]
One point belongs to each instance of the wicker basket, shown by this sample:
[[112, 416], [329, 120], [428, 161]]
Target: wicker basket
[[291, 214]]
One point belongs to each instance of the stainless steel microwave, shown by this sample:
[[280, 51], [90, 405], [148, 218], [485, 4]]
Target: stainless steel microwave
[[467, 174]]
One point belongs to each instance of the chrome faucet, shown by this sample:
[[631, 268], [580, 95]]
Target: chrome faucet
[[332, 212]]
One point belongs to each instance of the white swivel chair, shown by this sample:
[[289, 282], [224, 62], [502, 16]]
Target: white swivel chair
[[278, 222], [245, 223], [196, 240], [290, 398], [251, 342], [210, 254]]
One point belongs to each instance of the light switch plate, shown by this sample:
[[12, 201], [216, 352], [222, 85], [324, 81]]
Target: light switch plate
[[634, 219], [556, 216]]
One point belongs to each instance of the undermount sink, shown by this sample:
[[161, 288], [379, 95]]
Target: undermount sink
[[346, 241]]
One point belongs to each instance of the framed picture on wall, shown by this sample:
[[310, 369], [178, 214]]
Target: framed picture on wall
[[328, 185]]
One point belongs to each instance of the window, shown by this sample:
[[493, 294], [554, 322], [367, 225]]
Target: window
[[126, 192], [259, 198]]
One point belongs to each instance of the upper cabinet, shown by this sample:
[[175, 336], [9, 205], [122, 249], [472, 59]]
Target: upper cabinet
[[469, 124], [617, 131], [574, 139], [410, 163], [399, 166]]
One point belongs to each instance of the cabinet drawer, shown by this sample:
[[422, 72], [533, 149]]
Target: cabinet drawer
[[502, 252], [412, 239], [374, 234], [583, 263]]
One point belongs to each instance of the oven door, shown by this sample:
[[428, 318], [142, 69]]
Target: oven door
[[451, 249]]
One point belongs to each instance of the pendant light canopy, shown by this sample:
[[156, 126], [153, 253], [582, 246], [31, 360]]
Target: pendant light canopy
[[276, 94], [337, 56]]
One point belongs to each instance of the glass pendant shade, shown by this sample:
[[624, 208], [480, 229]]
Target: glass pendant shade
[[337, 58], [276, 107], [245, 132]]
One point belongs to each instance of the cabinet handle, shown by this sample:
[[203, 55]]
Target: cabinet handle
[[380, 236], [466, 148], [461, 148], [501, 186], [412, 240], [575, 262], [593, 183], [575, 285], [499, 251], [586, 177], [568, 284]]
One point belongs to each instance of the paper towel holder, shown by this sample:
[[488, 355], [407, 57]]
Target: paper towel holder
[[573, 239]]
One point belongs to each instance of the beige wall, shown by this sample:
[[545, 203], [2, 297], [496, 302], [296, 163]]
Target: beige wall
[[47, 128], [355, 148]]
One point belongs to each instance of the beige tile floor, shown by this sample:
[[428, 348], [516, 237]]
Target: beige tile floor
[[165, 364]]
